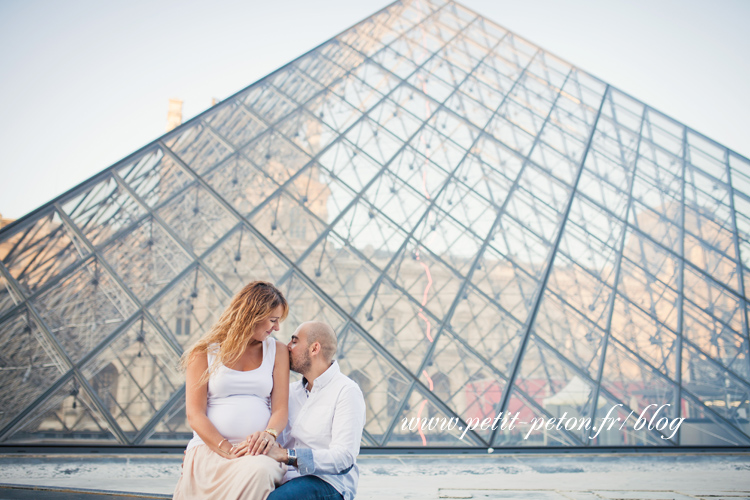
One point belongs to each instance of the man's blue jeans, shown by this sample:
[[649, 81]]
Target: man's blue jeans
[[305, 488]]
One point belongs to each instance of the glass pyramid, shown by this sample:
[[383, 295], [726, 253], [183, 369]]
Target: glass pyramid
[[487, 227]]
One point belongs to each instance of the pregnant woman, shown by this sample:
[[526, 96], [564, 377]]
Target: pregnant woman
[[237, 391]]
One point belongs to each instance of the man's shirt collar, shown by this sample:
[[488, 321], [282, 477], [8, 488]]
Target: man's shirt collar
[[324, 377]]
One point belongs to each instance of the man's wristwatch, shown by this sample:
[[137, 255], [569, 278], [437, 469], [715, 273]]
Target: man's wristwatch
[[291, 457]]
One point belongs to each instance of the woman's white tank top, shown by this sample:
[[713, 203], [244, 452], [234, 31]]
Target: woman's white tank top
[[239, 403]]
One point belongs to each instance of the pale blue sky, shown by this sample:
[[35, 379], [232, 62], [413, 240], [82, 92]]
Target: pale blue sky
[[84, 83]]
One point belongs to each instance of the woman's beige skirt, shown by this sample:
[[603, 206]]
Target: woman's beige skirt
[[206, 475]]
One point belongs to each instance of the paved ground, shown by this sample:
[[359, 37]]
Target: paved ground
[[417, 477]]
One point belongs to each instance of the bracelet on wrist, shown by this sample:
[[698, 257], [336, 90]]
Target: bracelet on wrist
[[222, 442], [272, 432]]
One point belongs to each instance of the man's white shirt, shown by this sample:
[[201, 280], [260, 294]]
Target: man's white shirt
[[325, 429]]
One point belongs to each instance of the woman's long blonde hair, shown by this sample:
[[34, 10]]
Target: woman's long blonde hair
[[232, 332]]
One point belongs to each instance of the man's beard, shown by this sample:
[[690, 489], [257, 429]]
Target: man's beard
[[302, 366]]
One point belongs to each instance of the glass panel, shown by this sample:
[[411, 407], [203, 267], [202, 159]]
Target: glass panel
[[395, 119], [374, 140], [526, 431], [333, 111], [570, 333], [664, 132], [619, 428], [190, 307], [135, 375], [268, 103], [8, 298], [707, 155], [649, 294], [241, 258], [502, 280], [623, 110], [451, 241], [426, 278], [639, 387], [159, 259], [655, 260], [103, 211], [553, 386], [722, 269], [37, 253], [375, 78], [383, 386], [340, 272], [577, 288], [724, 393], [236, 124], [611, 169], [374, 236], [349, 165], [398, 324], [590, 239], [273, 154], [84, 308], [321, 69], [398, 202], [295, 84], [307, 304], [714, 299], [483, 180], [307, 132], [156, 177], [493, 334], [430, 425], [718, 340], [534, 213], [173, 428], [287, 225], [641, 333], [241, 184], [469, 211], [68, 416], [199, 148], [595, 189], [703, 428], [197, 218], [519, 245], [28, 365], [469, 387], [715, 231], [394, 62], [555, 163]]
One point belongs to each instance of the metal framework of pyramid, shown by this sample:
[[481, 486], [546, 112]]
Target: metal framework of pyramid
[[487, 227]]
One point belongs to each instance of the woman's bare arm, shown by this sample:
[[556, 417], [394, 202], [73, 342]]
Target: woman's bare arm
[[196, 401], [280, 391], [279, 400]]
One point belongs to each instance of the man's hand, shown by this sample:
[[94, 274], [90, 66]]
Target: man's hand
[[277, 453]]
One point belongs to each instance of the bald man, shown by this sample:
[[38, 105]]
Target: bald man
[[326, 417]]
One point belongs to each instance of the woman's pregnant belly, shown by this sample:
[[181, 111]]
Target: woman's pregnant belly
[[236, 417]]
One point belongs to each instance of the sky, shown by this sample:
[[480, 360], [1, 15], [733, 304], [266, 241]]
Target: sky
[[84, 83]]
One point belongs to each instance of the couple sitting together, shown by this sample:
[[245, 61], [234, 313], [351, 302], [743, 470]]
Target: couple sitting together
[[238, 402]]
